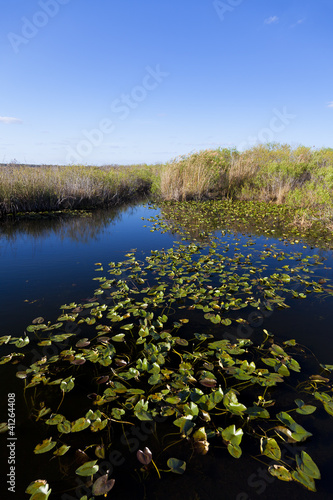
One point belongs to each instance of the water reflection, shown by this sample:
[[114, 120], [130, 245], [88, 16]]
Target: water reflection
[[80, 228]]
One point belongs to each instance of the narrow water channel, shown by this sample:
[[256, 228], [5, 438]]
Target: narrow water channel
[[48, 262]]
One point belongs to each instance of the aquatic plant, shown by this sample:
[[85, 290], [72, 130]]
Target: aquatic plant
[[156, 345]]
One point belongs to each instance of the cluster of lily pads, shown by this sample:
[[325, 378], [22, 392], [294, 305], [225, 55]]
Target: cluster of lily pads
[[196, 219], [154, 345]]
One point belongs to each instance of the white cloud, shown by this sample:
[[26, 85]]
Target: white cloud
[[300, 21], [9, 119], [330, 104], [271, 20]]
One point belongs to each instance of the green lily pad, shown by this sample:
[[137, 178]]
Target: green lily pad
[[280, 472], [177, 466], [87, 469]]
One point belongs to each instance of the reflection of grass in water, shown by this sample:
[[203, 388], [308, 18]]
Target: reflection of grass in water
[[79, 226], [212, 392], [196, 220]]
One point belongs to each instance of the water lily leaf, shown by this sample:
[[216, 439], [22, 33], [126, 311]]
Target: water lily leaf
[[231, 435], [302, 478], [290, 343], [80, 424], [100, 451], [61, 451], [208, 382], [298, 432], [200, 435], [87, 469], [83, 343], [287, 432], [155, 379], [98, 425], [280, 472], [270, 448], [177, 466], [129, 326], [78, 361], [5, 359], [117, 413], [234, 450], [21, 342], [191, 409], [118, 338], [45, 446], [67, 384], [326, 367], [182, 342], [3, 427], [231, 403], [257, 412], [54, 419], [141, 410], [306, 465], [185, 424], [37, 321], [304, 409], [39, 490], [64, 427], [102, 485], [5, 339]]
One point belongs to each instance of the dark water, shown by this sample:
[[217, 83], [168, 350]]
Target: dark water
[[46, 263]]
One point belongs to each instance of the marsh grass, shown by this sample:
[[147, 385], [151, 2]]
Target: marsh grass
[[278, 173], [47, 188], [298, 177]]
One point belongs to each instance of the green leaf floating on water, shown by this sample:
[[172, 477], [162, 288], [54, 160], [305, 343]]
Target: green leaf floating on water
[[306, 465], [177, 466], [304, 409], [305, 480], [280, 472], [39, 490], [87, 469], [67, 384], [298, 432], [45, 446], [141, 410], [326, 400], [270, 448], [80, 424], [61, 451], [231, 403]]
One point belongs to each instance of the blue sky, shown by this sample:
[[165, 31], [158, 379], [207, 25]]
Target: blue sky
[[102, 82]]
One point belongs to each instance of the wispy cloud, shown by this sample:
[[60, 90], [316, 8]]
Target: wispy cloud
[[300, 21], [271, 20], [330, 104], [9, 119]]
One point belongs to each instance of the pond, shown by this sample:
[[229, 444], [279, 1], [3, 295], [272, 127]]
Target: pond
[[49, 262]]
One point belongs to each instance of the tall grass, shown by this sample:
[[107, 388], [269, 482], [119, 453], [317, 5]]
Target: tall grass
[[26, 189], [300, 176]]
